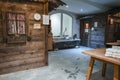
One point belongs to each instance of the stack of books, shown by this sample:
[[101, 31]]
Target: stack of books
[[113, 52]]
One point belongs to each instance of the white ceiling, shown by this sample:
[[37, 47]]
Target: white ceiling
[[84, 7]]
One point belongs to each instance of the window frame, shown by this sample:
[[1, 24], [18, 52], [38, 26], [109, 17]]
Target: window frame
[[62, 22]]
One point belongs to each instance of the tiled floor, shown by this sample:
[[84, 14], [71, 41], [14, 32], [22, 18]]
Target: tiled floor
[[69, 64]]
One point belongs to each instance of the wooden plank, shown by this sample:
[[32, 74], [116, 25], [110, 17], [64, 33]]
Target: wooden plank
[[91, 63], [15, 57], [21, 67], [113, 43], [32, 51], [21, 62], [116, 72], [20, 56], [104, 69]]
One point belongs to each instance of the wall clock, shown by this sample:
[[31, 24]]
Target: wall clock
[[37, 16]]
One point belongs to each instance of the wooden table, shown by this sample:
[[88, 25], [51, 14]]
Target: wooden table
[[113, 43], [99, 54], [110, 44]]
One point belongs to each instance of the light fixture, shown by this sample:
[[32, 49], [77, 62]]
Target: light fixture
[[111, 21], [66, 6], [86, 27], [81, 10]]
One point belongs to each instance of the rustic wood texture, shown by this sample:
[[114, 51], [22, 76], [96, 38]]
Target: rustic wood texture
[[99, 54], [104, 65], [92, 60], [113, 29], [94, 38], [116, 72], [21, 67], [33, 53], [53, 4]]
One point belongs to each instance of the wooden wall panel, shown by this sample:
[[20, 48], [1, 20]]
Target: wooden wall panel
[[33, 53], [97, 38], [21, 67], [94, 38]]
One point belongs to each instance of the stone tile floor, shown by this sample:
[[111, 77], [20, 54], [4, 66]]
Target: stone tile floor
[[67, 64]]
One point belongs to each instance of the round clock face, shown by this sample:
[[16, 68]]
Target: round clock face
[[37, 16]]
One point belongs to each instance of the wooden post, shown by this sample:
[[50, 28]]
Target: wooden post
[[92, 60], [104, 69], [116, 72], [46, 33]]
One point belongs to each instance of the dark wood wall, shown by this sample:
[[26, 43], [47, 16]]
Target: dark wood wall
[[32, 52], [94, 38], [104, 32], [113, 28]]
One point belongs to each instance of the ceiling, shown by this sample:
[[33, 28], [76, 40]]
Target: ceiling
[[85, 7]]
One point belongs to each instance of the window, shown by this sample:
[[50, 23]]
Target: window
[[15, 23], [61, 24], [16, 29]]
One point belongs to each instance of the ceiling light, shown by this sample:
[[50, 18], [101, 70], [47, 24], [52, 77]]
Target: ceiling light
[[81, 10], [66, 6]]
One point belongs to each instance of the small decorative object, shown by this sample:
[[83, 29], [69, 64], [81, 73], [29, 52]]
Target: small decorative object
[[46, 19], [95, 24], [36, 26], [37, 16], [86, 30], [74, 36], [92, 28]]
